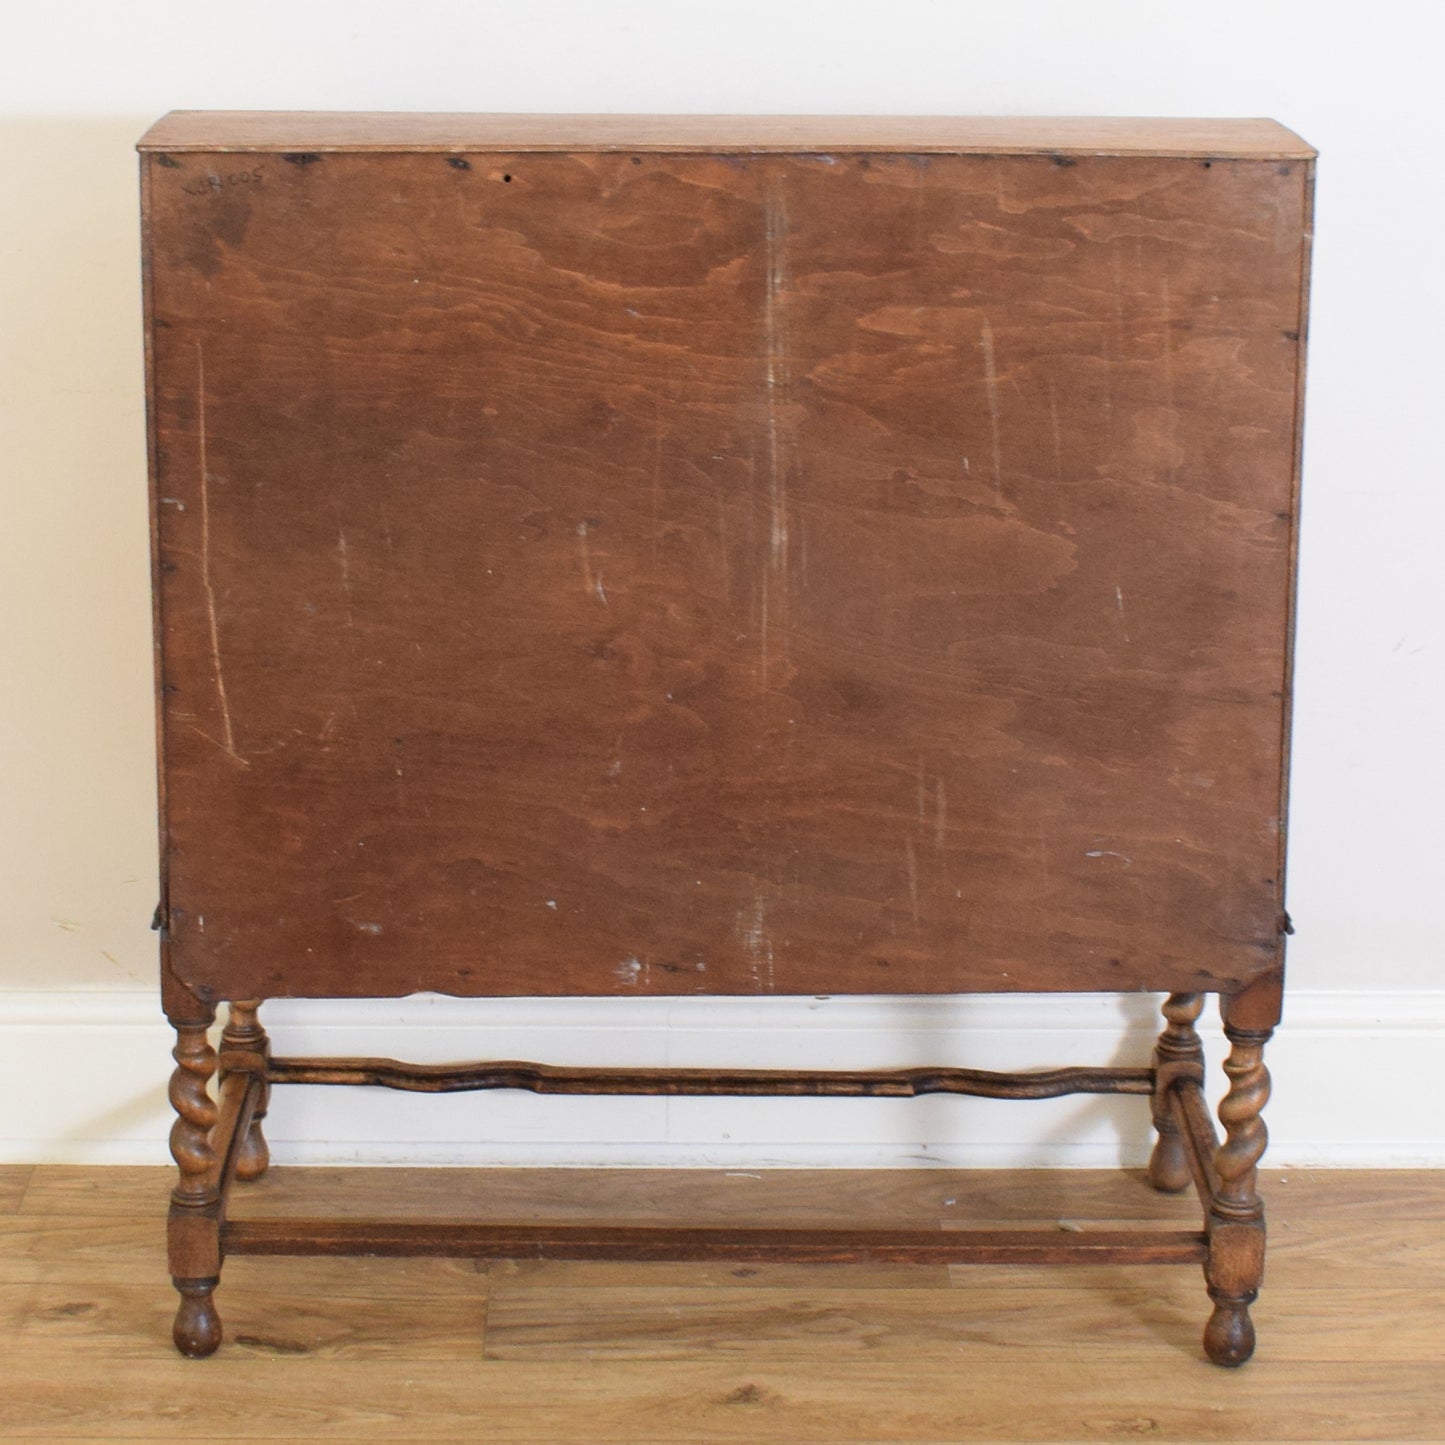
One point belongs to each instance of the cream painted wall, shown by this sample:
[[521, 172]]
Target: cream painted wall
[[79, 81]]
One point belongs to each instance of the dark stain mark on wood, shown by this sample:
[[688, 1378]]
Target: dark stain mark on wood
[[75, 1309], [272, 1346], [746, 1395]]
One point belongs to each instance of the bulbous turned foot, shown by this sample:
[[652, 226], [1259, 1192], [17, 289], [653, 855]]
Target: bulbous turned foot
[[253, 1158], [1169, 1164], [197, 1330], [1229, 1335]]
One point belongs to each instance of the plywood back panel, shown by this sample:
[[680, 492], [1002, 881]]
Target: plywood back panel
[[594, 572]]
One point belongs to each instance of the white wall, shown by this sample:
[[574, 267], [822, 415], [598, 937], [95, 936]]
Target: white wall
[[78, 82]]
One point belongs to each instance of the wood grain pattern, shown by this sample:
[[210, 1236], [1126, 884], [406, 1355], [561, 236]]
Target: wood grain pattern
[[14, 1179], [638, 1322], [593, 573], [303, 131], [1352, 1350], [79, 1227], [748, 1401]]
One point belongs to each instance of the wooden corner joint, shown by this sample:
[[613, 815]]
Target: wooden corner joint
[[243, 1060], [1173, 1074]]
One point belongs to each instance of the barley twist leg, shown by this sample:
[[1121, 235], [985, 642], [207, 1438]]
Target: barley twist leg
[[193, 1235], [1235, 1267]]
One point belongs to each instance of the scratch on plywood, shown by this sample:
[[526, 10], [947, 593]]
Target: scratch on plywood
[[656, 472], [1169, 369], [1054, 427], [343, 554], [912, 861], [940, 813], [591, 581], [1119, 607], [776, 363], [764, 591], [228, 732], [774, 606], [752, 929], [1114, 342], [722, 544], [990, 382]]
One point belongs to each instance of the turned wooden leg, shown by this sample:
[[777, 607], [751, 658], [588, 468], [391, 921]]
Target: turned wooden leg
[[193, 1232], [1235, 1267], [244, 1035], [1178, 1052], [197, 1329]]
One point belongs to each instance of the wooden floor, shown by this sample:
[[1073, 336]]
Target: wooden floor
[[1352, 1321]]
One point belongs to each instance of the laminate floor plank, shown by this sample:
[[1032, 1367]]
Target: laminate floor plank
[[903, 1197], [134, 1252], [131, 1322], [1164, 1310], [14, 1179], [1045, 1398], [1352, 1319], [71, 1191]]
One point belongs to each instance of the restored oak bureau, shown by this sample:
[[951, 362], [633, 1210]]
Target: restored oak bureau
[[664, 556]]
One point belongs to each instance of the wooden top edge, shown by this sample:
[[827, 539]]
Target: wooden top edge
[[222, 131]]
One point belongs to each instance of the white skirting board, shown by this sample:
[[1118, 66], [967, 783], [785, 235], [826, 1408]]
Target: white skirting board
[[83, 1081]]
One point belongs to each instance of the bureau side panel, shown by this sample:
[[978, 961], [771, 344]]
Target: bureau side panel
[[608, 574]]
